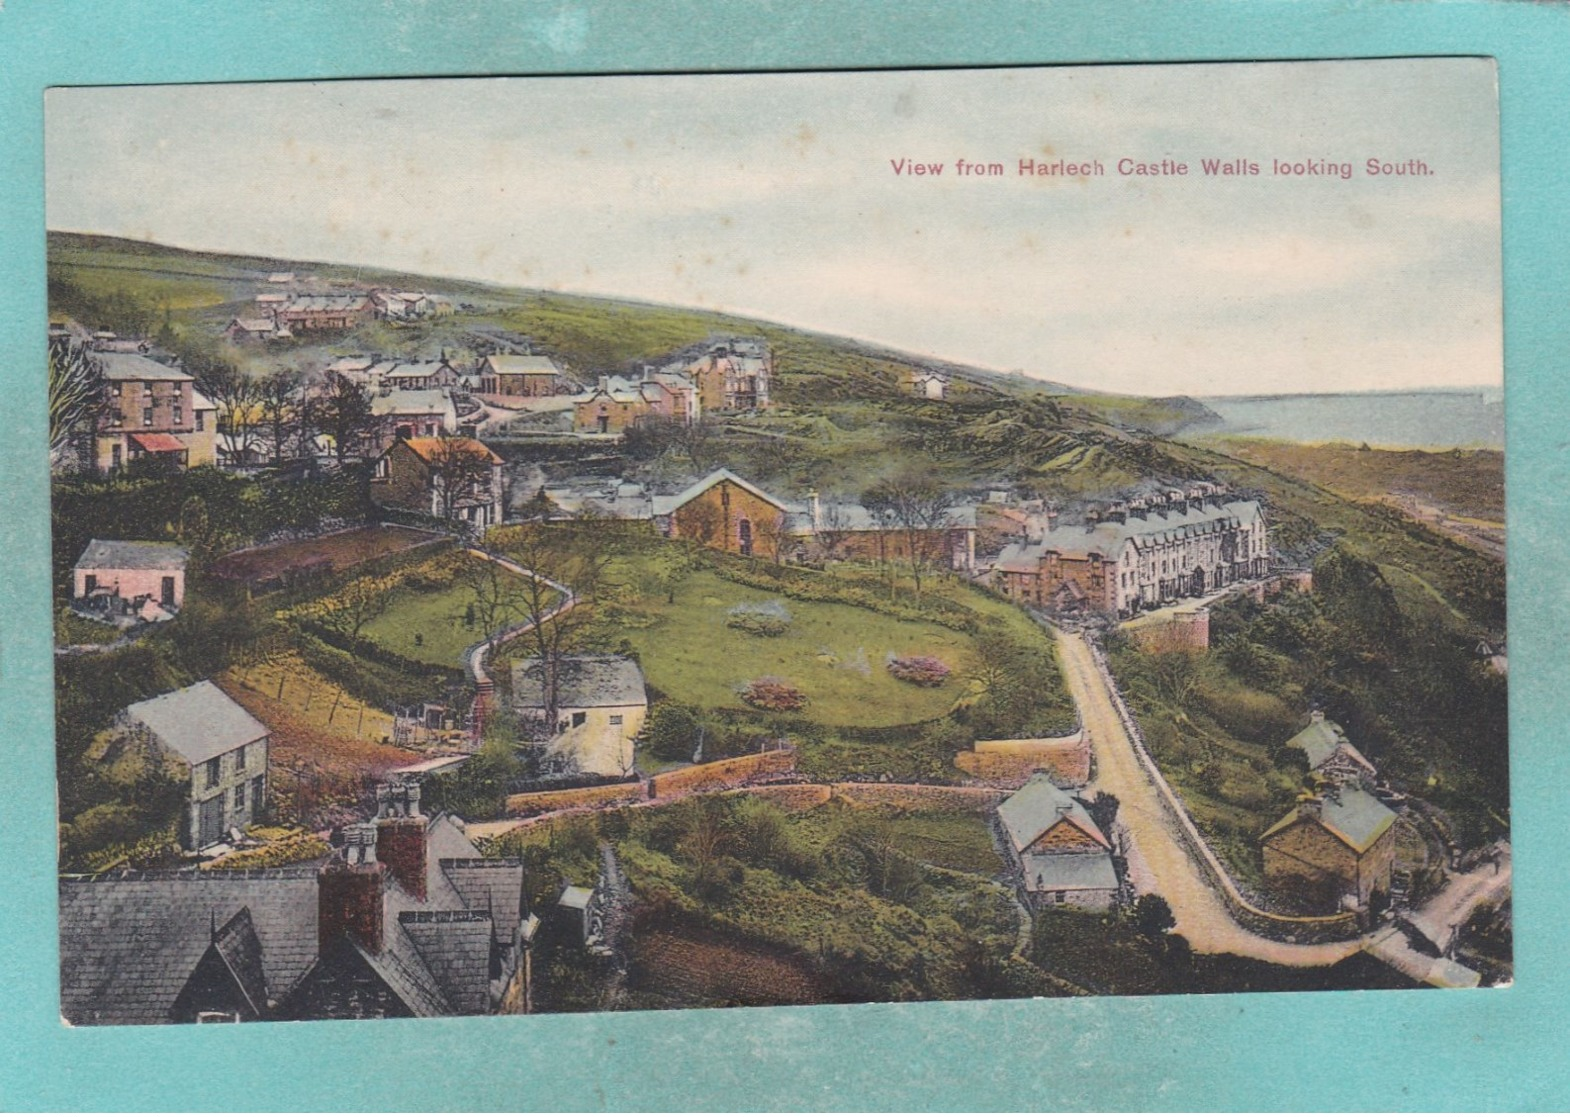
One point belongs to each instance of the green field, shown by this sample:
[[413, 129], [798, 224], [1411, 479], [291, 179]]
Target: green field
[[427, 626], [835, 653]]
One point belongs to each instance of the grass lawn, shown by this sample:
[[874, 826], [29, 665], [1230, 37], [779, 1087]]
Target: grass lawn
[[72, 629], [835, 653], [951, 840], [427, 627]]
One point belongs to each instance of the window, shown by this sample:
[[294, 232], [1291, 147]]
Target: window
[[214, 771], [615, 719], [147, 416], [179, 415], [114, 454], [239, 797], [201, 421], [114, 388], [239, 759], [258, 792], [579, 718]]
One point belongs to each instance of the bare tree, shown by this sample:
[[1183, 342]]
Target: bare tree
[[342, 411], [499, 594], [238, 400], [461, 473], [833, 527], [919, 507], [76, 398], [281, 411]]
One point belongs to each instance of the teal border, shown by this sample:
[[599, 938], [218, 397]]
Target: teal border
[[1494, 1049]]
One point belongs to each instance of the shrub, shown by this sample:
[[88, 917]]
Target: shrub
[[769, 618], [923, 670], [672, 731], [771, 693]]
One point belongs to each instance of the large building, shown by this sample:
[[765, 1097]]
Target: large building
[[529, 375], [734, 374], [405, 919], [153, 411], [1137, 557]]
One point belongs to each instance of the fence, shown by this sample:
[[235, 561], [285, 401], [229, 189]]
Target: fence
[[1289, 928], [720, 775]]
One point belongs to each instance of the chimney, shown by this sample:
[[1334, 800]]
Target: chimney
[[1309, 806], [349, 893], [1052, 519], [1316, 716], [605, 383], [400, 835], [815, 505]]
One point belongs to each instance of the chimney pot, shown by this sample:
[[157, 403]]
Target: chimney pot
[[349, 893]]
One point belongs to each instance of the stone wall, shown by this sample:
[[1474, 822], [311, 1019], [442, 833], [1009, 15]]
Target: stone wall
[[920, 796], [1009, 763], [1185, 631], [604, 795], [722, 774]]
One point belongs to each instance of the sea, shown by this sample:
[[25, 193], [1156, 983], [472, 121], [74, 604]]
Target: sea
[[1437, 418]]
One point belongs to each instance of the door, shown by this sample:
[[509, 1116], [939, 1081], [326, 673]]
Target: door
[[210, 821], [605, 424], [166, 597]]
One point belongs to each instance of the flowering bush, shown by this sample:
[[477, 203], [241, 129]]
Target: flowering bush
[[770, 618], [923, 670], [771, 693]]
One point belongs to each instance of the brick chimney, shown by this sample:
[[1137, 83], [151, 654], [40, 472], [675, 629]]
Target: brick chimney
[[815, 504], [400, 835], [349, 893]]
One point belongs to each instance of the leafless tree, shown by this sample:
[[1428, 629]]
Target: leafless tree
[[461, 472], [919, 508], [76, 397], [280, 400]]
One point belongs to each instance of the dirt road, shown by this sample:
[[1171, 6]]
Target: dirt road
[[1201, 916]]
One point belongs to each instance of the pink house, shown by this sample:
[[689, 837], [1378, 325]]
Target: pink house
[[123, 576]]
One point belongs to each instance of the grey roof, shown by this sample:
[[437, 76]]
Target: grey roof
[[129, 941], [119, 554], [586, 681], [198, 722], [406, 401], [514, 364], [1037, 807], [241, 950], [1150, 529], [575, 897], [456, 949], [134, 366], [1068, 872], [1320, 741], [1350, 813], [488, 884]]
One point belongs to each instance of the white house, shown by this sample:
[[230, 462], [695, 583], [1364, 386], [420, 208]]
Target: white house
[[600, 708]]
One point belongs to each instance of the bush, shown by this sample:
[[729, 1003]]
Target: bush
[[771, 693], [770, 618], [672, 731], [923, 670]]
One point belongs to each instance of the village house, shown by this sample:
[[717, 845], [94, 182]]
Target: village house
[[403, 305], [1139, 555], [243, 331], [601, 705], [616, 403], [1060, 855], [1334, 850], [283, 278], [120, 580], [426, 413], [405, 919], [107, 341], [309, 313], [526, 375], [729, 513], [221, 749], [153, 411], [1329, 753], [929, 385], [424, 375], [733, 374], [449, 478]]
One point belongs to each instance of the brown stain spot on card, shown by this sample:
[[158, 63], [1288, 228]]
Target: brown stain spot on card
[[1360, 217], [725, 221], [905, 104], [1048, 150], [384, 233]]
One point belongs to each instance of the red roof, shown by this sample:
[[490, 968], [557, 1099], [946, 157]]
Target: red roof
[[158, 443]]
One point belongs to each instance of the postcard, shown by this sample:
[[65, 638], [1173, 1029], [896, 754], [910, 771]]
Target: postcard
[[564, 544]]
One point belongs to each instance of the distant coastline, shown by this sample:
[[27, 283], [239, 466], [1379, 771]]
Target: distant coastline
[[1432, 418]]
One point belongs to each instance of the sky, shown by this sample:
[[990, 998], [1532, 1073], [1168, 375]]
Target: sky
[[775, 196]]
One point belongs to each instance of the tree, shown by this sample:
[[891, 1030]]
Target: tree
[[832, 528], [76, 400], [1103, 811], [460, 472], [672, 731], [499, 594], [343, 412], [237, 398], [1152, 916], [918, 507], [280, 399]]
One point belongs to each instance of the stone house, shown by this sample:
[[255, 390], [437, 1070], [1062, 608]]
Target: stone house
[[734, 374], [405, 919], [522, 374], [1059, 855], [1137, 556], [243, 331], [1332, 851], [449, 478], [309, 313], [424, 413], [221, 749], [728, 513], [120, 576], [1329, 753], [601, 705], [153, 411], [929, 385]]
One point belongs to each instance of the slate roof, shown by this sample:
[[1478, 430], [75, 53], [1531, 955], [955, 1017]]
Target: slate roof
[[134, 366], [1037, 807], [411, 401], [1151, 529], [1351, 814], [120, 554], [129, 941], [1321, 740], [522, 364], [197, 722], [698, 488], [1069, 872], [587, 681]]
